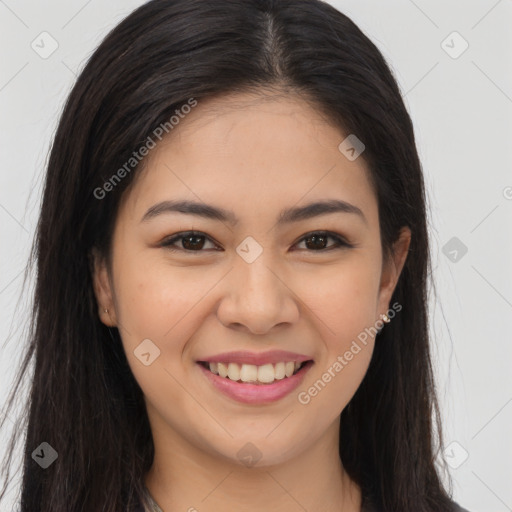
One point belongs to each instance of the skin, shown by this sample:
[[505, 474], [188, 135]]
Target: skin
[[253, 154]]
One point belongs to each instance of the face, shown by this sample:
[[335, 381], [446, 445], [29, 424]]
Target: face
[[263, 280]]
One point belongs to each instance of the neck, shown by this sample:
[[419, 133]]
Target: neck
[[185, 478]]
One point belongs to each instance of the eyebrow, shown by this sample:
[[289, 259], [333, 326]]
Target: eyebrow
[[286, 216]]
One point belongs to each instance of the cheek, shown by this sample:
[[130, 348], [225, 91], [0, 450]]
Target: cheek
[[152, 297], [335, 383], [343, 304], [342, 297], [160, 303]]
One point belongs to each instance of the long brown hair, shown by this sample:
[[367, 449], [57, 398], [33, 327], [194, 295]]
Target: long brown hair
[[84, 400]]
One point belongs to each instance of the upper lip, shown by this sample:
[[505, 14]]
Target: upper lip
[[256, 358]]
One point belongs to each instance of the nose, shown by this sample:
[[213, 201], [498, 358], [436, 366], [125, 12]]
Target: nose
[[257, 298]]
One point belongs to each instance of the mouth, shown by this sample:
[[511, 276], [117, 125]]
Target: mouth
[[255, 385], [261, 375]]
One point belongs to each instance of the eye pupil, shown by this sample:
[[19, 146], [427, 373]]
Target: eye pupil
[[195, 244], [316, 238]]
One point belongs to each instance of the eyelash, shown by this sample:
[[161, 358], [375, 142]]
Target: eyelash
[[340, 242]]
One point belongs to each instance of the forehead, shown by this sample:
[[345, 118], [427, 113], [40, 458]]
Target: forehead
[[253, 152]]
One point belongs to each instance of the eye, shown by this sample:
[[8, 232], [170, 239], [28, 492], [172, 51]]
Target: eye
[[191, 241], [194, 241], [316, 241]]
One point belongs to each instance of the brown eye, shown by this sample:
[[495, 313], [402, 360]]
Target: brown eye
[[190, 242], [317, 241], [193, 242]]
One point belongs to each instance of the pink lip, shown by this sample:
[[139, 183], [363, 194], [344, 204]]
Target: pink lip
[[256, 393], [258, 359]]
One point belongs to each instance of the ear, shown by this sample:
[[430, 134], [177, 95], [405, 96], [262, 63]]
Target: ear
[[103, 289], [392, 268]]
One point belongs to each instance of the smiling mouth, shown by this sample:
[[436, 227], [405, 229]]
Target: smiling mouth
[[253, 374]]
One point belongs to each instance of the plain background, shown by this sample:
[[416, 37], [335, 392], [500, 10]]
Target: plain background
[[461, 106]]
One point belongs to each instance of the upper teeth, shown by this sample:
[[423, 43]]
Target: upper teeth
[[266, 373]]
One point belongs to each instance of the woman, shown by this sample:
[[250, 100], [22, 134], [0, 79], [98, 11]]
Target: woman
[[232, 260]]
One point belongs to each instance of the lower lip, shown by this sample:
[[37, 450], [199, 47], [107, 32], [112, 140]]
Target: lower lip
[[256, 393]]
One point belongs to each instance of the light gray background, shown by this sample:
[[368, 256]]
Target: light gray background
[[462, 111]]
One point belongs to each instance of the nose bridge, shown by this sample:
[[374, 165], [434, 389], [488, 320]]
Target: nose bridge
[[258, 297], [258, 282]]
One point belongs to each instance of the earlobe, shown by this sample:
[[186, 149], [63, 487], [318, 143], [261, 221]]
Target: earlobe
[[102, 289]]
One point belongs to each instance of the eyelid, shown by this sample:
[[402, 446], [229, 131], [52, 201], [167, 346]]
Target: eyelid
[[167, 242], [341, 241]]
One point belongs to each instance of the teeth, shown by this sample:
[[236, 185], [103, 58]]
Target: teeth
[[223, 369], [233, 371], [279, 372], [265, 374], [249, 373]]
